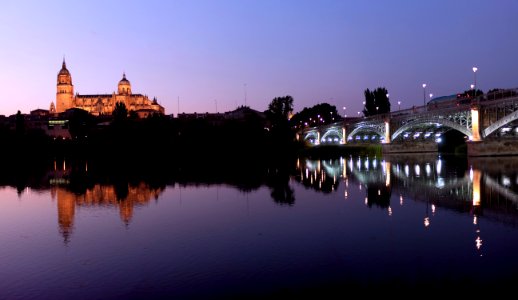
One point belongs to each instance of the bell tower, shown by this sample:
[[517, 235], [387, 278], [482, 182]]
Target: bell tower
[[65, 90]]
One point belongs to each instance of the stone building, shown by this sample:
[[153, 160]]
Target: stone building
[[102, 104]]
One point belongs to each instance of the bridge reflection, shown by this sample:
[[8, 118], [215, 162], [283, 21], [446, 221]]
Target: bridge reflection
[[479, 186]]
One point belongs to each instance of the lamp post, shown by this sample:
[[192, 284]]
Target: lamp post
[[431, 95], [399, 105], [424, 94], [344, 111], [475, 69]]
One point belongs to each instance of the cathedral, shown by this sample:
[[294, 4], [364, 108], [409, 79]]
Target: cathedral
[[102, 104]]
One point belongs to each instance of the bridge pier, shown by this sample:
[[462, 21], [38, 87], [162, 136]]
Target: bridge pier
[[493, 147], [420, 147]]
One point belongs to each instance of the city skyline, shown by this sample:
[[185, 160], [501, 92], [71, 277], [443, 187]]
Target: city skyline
[[209, 56]]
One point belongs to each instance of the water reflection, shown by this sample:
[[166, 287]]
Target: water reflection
[[101, 196], [366, 222], [483, 187], [125, 186]]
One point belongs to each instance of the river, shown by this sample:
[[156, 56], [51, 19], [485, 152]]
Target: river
[[72, 230]]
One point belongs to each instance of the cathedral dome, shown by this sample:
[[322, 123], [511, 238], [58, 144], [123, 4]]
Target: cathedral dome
[[124, 86], [123, 81]]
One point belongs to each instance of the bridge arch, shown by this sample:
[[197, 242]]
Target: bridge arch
[[371, 128], [499, 123], [311, 134], [331, 131], [443, 122]]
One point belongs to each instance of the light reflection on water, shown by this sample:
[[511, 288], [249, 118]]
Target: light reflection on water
[[351, 221]]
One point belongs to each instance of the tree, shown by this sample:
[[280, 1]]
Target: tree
[[470, 94], [80, 123], [319, 114], [279, 109], [120, 113], [376, 102], [278, 114]]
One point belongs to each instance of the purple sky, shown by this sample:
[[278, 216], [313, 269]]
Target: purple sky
[[214, 52]]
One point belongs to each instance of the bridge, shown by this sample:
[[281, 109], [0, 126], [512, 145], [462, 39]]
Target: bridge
[[488, 122]]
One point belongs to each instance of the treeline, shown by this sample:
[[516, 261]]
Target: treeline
[[152, 139]]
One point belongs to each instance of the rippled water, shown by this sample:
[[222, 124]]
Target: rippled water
[[323, 227]]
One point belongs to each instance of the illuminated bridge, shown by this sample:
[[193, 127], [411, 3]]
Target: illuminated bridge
[[489, 124]]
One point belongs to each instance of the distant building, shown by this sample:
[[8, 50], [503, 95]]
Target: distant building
[[101, 104]]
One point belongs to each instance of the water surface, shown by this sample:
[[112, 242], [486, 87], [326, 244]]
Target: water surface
[[317, 227]]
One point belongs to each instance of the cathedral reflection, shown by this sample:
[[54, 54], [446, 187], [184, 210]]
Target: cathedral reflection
[[120, 195], [100, 196]]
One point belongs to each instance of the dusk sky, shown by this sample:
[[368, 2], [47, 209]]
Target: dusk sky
[[213, 53]]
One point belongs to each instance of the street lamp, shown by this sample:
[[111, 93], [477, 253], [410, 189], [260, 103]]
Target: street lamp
[[424, 94], [431, 95], [344, 110], [399, 105]]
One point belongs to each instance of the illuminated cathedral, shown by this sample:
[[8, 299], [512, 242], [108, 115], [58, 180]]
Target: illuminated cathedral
[[102, 104]]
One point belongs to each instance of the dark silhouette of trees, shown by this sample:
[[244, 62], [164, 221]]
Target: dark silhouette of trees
[[80, 123], [470, 94], [278, 113], [279, 110], [120, 112], [376, 102], [320, 114]]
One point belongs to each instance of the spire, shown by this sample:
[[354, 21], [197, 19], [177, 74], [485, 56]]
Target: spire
[[124, 75], [64, 63]]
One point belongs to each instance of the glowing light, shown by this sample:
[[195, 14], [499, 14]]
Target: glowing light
[[440, 182], [346, 194], [387, 133], [433, 209], [417, 170], [400, 199], [474, 125], [478, 243], [475, 220], [428, 169], [438, 167], [387, 174], [476, 187], [426, 222], [407, 170], [389, 211], [506, 181], [366, 201]]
